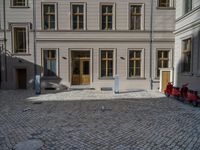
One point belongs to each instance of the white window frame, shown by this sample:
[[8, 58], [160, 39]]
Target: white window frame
[[56, 15], [171, 4], [142, 17], [191, 63], [13, 26], [12, 4], [184, 7], [84, 13], [114, 63], [57, 62], [142, 63], [170, 50], [113, 17]]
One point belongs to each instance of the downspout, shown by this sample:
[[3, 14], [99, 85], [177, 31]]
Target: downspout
[[151, 45], [5, 40], [34, 41]]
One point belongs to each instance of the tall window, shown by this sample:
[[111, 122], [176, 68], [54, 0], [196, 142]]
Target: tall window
[[136, 17], [20, 39], [163, 60], [187, 55], [78, 17], [107, 63], [50, 63], [135, 63], [188, 6], [19, 3], [49, 12], [164, 3], [107, 17]]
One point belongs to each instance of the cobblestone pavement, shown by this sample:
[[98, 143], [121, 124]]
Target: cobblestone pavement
[[155, 123]]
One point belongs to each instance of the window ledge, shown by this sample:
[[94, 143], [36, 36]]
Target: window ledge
[[20, 7], [21, 54], [50, 78], [136, 78], [102, 78], [186, 73], [166, 8]]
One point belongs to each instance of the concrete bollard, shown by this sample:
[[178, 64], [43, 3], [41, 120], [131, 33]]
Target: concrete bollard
[[37, 84], [116, 84]]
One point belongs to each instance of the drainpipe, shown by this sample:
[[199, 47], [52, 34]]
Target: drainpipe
[[151, 45], [34, 41], [5, 40]]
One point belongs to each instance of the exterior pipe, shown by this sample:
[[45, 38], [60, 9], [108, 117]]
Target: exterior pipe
[[34, 40], [5, 40], [151, 45]]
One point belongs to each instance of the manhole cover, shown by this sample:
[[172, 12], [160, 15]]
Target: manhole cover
[[29, 145]]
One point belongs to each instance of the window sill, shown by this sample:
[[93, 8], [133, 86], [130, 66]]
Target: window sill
[[21, 54], [50, 78], [166, 8], [25, 7], [186, 73], [136, 78], [110, 78]]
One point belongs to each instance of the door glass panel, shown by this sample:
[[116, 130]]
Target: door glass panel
[[86, 68], [76, 68]]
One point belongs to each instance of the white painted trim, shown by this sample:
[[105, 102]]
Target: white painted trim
[[56, 15], [13, 26], [84, 13], [142, 17], [12, 4], [156, 59], [57, 62], [113, 17], [114, 62], [70, 63], [142, 63], [192, 57]]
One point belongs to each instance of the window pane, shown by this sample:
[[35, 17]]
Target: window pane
[[137, 72], [80, 8], [75, 22], [110, 54], [164, 3], [131, 54], [103, 68], [74, 8], [135, 17], [138, 9], [19, 2], [86, 68], [103, 54], [103, 9], [165, 64], [103, 22], [138, 23], [80, 22], [110, 68], [109, 9], [49, 16], [50, 63], [20, 40], [138, 54], [76, 68], [110, 22]]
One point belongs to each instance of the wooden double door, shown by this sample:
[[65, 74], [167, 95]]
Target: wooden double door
[[81, 70]]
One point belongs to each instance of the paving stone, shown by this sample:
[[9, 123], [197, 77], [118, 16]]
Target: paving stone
[[29, 145], [96, 120]]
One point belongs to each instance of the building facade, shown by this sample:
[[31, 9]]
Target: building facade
[[86, 43], [187, 44]]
